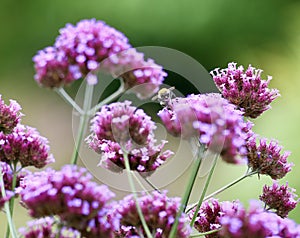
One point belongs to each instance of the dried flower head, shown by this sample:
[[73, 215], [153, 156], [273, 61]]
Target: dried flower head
[[213, 119], [159, 212], [47, 228], [120, 127], [10, 116], [25, 145], [266, 158], [279, 198], [245, 89], [68, 193]]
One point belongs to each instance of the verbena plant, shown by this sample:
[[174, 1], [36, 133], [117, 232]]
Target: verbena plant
[[68, 203]]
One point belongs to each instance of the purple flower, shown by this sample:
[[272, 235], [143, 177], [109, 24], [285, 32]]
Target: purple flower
[[25, 145], [47, 228], [10, 116], [208, 217], [266, 158], [68, 193], [213, 119], [245, 89], [256, 223], [3, 200], [120, 127], [279, 198], [159, 212]]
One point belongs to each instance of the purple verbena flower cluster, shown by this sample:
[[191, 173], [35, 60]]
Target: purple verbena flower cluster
[[120, 128], [68, 193], [245, 89], [92, 45], [266, 158], [213, 119], [159, 212], [10, 116], [279, 198], [25, 145]]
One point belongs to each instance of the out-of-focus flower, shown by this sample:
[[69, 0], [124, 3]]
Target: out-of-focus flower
[[3, 200], [257, 223], [266, 158], [213, 119], [25, 145], [68, 193], [10, 116], [279, 198], [245, 89], [208, 217], [120, 127], [47, 228], [159, 212]]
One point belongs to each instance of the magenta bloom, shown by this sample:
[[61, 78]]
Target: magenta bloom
[[245, 89], [208, 217], [159, 212], [10, 116], [120, 127], [47, 228], [266, 158], [68, 193], [213, 119], [257, 223], [25, 145], [279, 198]]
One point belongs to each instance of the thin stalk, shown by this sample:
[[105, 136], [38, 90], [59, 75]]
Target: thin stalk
[[7, 209], [224, 188], [87, 103], [205, 233], [140, 183], [108, 99], [151, 184], [204, 190], [187, 193], [12, 200], [61, 92], [133, 190]]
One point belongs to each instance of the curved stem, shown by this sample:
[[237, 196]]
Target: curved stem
[[108, 99], [88, 96], [151, 184], [61, 92], [224, 188], [131, 183], [204, 190], [187, 193], [140, 183], [205, 233], [7, 210]]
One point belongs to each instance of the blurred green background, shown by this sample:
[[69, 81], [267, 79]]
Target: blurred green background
[[262, 33]]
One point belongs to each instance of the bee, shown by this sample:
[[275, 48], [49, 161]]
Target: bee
[[164, 96]]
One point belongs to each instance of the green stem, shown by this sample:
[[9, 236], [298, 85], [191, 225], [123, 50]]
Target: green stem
[[204, 190], [205, 233], [87, 103], [140, 183], [108, 99], [61, 92], [7, 209], [151, 184], [224, 188], [187, 193], [131, 183]]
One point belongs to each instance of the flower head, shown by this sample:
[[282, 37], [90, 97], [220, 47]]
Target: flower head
[[47, 228], [25, 145], [120, 127], [266, 158], [159, 212], [68, 193], [279, 198], [10, 116], [245, 89], [213, 119], [256, 223]]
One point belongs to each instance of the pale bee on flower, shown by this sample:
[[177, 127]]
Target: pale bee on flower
[[164, 96]]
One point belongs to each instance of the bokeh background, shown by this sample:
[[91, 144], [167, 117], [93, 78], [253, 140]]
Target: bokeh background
[[262, 33]]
